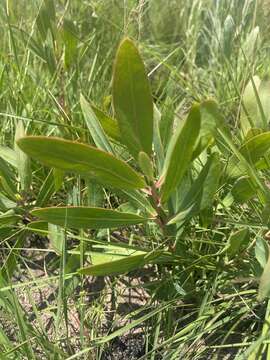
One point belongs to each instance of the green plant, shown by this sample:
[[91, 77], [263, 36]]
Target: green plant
[[166, 185], [196, 253], [158, 173]]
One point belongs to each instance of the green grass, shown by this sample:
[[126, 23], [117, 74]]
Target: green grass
[[205, 307]]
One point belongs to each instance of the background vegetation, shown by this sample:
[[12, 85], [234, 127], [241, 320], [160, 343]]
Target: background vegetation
[[200, 289]]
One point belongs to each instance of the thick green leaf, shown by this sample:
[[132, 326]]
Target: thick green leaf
[[101, 254], [200, 195], [7, 179], [132, 99], [256, 109], [244, 165], [58, 178], [256, 147], [109, 125], [211, 182], [180, 150], [138, 199], [87, 217], [57, 237], [253, 132], [38, 227], [95, 195], [70, 39], [120, 266], [9, 155], [212, 122], [250, 44], [243, 190], [94, 126], [98, 258], [9, 218], [252, 150], [265, 214], [146, 165], [207, 130], [264, 95], [249, 113], [6, 203], [72, 264], [82, 159], [264, 286], [261, 251]]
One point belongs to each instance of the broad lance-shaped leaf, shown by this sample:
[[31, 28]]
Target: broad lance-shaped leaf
[[121, 266], [82, 159], [264, 286], [249, 111], [9, 155], [261, 251], [208, 128], [256, 109], [57, 237], [264, 94], [94, 126], [212, 123], [243, 189], [146, 165], [79, 217], [252, 150], [180, 150], [109, 124], [9, 218], [201, 193], [132, 99], [7, 179], [70, 38], [115, 267], [38, 227], [256, 147]]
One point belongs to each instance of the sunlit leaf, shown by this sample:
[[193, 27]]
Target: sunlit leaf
[[121, 266], [180, 150], [109, 125], [132, 99], [252, 150], [87, 217], [82, 159], [94, 126], [264, 286], [200, 195], [243, 190]]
